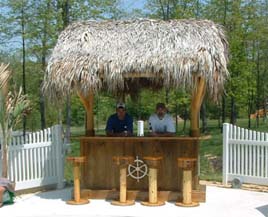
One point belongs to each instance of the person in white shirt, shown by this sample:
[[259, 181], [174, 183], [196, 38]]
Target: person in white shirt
[[161, 123]]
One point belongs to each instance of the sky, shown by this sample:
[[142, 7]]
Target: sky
[[133, 4], [126, 4]]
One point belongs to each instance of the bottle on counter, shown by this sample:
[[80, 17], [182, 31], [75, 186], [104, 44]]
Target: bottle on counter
[[125, 130], [150, 127]]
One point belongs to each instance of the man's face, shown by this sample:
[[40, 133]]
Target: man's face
[[161, 112], [121, 113]]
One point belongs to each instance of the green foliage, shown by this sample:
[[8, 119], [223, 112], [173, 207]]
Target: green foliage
[[13, 106], [246, 27]]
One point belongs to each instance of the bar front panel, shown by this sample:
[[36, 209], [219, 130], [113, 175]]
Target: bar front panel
[[101, 173]]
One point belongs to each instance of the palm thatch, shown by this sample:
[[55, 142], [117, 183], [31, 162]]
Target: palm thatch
[[92, 55]]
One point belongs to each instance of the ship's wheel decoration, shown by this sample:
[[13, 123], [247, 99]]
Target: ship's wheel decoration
[[138, 169]]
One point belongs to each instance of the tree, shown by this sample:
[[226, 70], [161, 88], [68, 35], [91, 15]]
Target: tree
[[42, 37], [16, 19], [14, 105]]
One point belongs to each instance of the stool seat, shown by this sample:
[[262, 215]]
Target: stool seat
[[80, 159], [153, 162], [123, 160], [186, 163], [77, 161]]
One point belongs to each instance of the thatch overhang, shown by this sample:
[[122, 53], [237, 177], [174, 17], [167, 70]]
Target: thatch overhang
[[91, 55]]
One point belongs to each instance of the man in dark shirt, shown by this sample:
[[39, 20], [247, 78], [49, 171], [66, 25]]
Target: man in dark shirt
[[120, 123]]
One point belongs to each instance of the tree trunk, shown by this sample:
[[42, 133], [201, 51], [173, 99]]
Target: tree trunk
[[44, 54], [250, 103], [233, 111], [4, 163], [4, 155], [66, 20], [258, 87], [223, 113], [23, 65], [42, 109], [203, 117], [41, 95], [176, 117], [185, 117]]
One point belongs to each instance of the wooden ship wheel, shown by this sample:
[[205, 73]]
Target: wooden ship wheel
[[138, 169]]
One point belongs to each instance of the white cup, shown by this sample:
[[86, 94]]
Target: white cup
[[140, 125]]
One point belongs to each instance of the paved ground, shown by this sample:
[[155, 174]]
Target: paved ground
[[221, 202]]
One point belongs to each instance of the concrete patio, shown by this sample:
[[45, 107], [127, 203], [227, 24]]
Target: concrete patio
[[221, 202]]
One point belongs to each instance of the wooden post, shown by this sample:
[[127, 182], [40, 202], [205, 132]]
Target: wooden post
[[187, 187], [196, 101], [123, 184], [77, 161], [76, 182], [88, 103], [187, 165], [153, 163], [123, 162], [152, 185]]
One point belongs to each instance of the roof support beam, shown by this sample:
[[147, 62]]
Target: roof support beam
[[196, 102], [88, 102]]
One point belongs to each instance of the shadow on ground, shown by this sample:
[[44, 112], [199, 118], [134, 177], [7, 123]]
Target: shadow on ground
[[56, 194], [263, 210]]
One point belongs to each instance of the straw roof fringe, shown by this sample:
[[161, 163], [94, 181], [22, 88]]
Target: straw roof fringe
[[92, 55]]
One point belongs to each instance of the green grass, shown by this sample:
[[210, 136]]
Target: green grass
[[210, 150]]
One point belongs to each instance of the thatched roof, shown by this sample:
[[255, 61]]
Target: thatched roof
[[91, 55]]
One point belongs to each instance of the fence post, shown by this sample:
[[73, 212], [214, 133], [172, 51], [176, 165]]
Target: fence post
[[225, 158], [57, 141]]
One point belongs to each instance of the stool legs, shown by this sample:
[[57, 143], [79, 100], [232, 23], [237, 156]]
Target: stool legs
[[77, 200], [123, 183], [187, 184], [153, 198], [152, 185], [187, 187]]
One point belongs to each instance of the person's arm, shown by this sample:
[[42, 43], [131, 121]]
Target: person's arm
[[161, 134], [165, 134], [171, 131], [109, 127], [109, 133]]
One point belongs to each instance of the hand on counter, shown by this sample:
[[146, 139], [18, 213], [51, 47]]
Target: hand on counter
[[122, 134], [155, 134]]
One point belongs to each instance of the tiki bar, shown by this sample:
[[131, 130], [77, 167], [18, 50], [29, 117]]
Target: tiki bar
[[115, 56]]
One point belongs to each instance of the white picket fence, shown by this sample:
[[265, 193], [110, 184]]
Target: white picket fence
[[37, 160], [245, 155]]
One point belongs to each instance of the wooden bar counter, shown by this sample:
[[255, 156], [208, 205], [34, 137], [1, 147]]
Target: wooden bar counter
[[100, 177]]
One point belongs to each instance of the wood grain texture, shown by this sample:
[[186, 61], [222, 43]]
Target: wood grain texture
[[100, 173]]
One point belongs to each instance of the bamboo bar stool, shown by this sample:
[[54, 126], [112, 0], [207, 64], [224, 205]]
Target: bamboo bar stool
[[77, 161], [187, 165], [123, 162], [153, 163]]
